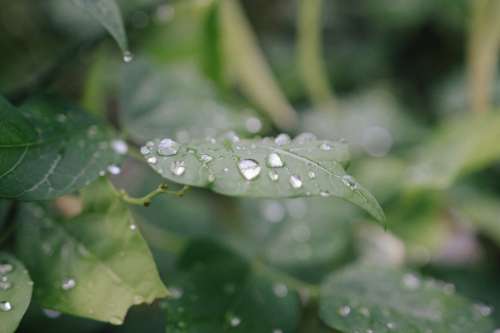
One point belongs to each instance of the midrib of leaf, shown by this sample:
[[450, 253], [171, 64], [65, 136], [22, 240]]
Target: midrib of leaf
[[45, 177], [15, 165]]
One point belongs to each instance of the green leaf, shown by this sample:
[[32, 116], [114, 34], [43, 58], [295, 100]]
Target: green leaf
[[15, 292], [248, 65], [4, 209], [377, 299], [49, 150], [176, 101], [461, 146], [217, 291], [108, 14], [233, 166], [95, 265]]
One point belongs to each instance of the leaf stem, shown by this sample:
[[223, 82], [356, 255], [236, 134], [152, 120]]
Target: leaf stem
[[148, 198]]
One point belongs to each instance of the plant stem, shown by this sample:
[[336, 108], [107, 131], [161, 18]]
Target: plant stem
[[146, 200], [309, 52]]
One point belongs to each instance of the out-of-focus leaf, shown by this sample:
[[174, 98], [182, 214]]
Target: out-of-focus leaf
[[461, 146], [371, 122], [4, 208], [108, 14], [179, 102], [95, 265], [262, 168], [15, 292], [240, 299], [49, 149], [248, 66], [364, 298]]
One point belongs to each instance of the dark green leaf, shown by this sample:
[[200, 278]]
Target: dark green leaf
[[48, 150], [262, 168], [108, 14], [15, 292], [461, 146], [177, 101], [377, 299], [95, 265], [217, 291]]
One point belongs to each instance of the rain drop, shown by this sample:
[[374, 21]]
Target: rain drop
[[152, 160], [304, 138], [114, 169], [282, 139], [5, 285], [274, 161], [5, 306], [206, 158], [295, 181], [128, 56], [273, 175], [168, 147], [324, 194], [6, 267], [483, 309], [232, 136], [68, 284], [344, 310], [177, 168], [280, 290], [234, 321], [349, 181], [249, 169], [325, 146], [119, 146], [311, 174], [145, 150]]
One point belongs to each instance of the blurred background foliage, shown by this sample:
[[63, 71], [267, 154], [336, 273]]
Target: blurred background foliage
[[398, 73]]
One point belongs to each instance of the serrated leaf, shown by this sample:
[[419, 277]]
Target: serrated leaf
[[95, 265], [108, 14], [177, 101], [461, 146], [217, 291], [15, 292], [49, 150], [377, 299], [238, 167]]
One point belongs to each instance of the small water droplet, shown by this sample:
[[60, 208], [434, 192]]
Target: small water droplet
[[282, 139], [114, 169], [168, 147], [273, 175], [119, 146], [482, 309], [145, 150], [311, 174], [304, 138], [128, 56], [349, 182], [152, 160], [68, 284], [234, 321], [102, 173], [295, 181], [324, 194], [344, 310], [52, 314], [253, 125], [411, 281], [225, 169], [232, 136], [5, 285], [5, 306], [325, 146], [133, 227], [6, 267], [280, 290], [178, 168], [206, 158], [274, 161], [249, 169]]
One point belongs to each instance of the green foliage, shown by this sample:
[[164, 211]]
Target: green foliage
[[242, 300], [15, 292], [364, 298], [50, 149], [269, 167], [94, 265]]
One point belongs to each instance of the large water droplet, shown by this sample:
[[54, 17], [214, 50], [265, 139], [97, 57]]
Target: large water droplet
[[249, 168], [178, 168], [280, 290], [119, 146], [68, 284], [114, 169], [6, 267], [168, 147], [349, 182], [5, 306], [295, 181], [128, 56], [282, 139], [344, 310], [482, 309], [274, 161]]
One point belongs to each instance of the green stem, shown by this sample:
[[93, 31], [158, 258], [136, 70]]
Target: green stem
[[309, 52], [148, 198]]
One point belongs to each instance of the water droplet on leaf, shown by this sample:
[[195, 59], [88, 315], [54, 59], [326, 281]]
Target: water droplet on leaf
[[280, 290], [282, 139], [350, 182], [274, 161], [6, 267], [295, 181], [177, 168], [168, 147], [114, 169], [249, 168], [206, 158], [325, 146], [5, 306], [128, 56], [344, 310], [68, 284], [152, 160], [273, 175]]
